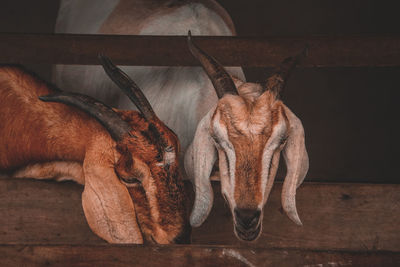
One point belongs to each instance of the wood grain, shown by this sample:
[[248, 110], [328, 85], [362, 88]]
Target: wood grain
[[130, 255], [335, 216], [43, 212], [362, 217], [325, 51]]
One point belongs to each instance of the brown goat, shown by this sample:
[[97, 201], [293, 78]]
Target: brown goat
[[126, 160]]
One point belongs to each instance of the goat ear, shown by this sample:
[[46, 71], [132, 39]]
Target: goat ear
[[107, 204], [296, 158], [199, 161]]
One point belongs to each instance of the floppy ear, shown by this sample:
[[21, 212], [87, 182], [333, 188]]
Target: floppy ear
[[296, 158], [199, 161], [108, 207]]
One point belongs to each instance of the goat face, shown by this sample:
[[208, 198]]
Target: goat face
[[148, 166], [247, 130], [247, 135], [148, 193]]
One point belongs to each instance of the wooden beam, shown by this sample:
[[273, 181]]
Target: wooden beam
[[131, 255], [325, 51], [363, 217], [335, 216]]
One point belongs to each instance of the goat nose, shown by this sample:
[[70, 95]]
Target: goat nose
[[247, 218]]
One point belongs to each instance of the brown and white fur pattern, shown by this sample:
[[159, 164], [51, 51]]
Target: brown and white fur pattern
[[133, 190], [246, 131]]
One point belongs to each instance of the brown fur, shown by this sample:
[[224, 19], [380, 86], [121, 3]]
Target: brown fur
[[33, 131], [249, 121], [145, 146], [21, 109]]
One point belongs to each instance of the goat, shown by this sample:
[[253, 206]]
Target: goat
[[126, 160], [180, 95], [246, 130]]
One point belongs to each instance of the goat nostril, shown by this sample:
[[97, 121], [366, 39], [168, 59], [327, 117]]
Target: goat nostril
[[247, 218]]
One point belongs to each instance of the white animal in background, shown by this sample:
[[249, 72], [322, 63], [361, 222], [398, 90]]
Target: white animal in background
[[180, 95]]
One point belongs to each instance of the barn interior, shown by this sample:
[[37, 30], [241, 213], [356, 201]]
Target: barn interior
[[348, 203]]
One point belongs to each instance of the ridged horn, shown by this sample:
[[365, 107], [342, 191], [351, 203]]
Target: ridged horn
[[222, 81], [101, 112], [277, 81], [128, 86]]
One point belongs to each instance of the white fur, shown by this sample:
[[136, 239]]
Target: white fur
[[269, 150], [296, 158], [77, 16], [199, 162], [225, 145], [180, 96], [194, 16]]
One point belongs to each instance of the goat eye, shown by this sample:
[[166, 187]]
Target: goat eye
[[284, 139], [131, 180], [169, 149]]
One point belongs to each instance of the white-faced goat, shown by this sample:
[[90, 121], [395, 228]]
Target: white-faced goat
[[126, 160], [246, 130]]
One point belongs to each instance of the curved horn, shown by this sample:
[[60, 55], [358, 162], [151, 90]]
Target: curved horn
[[104, 114], [221, 80], [277, 81], [128, 86]]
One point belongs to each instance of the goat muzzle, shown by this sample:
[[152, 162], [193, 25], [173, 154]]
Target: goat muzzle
[[247, 223]]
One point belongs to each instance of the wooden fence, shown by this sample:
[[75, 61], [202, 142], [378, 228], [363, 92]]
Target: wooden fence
[[325, 51], [344, 223]]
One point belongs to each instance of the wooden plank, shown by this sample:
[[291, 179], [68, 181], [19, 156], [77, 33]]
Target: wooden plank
[[325, 51], [119, 255], [361, 217], [335, 216], [43, 212]]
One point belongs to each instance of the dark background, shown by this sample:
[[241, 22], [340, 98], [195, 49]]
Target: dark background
[[348, 113]]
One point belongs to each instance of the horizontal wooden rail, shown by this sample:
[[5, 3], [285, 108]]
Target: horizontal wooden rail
[[131, 255], [362, 217], [325, 51]]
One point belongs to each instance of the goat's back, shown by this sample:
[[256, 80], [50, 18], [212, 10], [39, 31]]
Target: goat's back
[[35, 131]]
